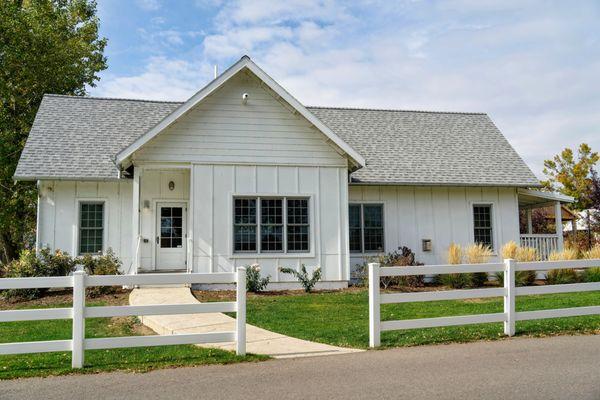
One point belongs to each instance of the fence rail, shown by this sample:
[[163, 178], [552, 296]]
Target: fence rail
[[509, 292], [79, 281]]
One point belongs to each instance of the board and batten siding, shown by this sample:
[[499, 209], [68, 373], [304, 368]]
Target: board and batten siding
[[442, 214], [58, 227], [221, 129], [214, 187]]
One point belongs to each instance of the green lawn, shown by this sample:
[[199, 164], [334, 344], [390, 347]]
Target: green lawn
[[133, 359], [341, 318]]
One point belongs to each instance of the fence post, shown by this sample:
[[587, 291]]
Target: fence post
[[509, 297], [240, 319], [78, 319], [374, 306]]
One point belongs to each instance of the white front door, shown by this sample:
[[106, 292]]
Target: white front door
[[171, 236]]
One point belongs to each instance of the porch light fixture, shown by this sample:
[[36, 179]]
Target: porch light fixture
[[146, 205], [171, 185], [244, 98]]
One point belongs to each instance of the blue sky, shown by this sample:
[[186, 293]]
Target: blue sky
[[533, 66]]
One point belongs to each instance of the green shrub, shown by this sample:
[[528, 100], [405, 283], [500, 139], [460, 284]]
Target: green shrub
[[107, 264], [307, 282], [254, 282], [403, 257], [561, 276], [46, 263], [592, 274]]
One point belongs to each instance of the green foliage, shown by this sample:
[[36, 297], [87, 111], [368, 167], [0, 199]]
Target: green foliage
[[572, 176], [455, 281], [561, 276], [592, 274], [28, 265], [254, 282], [307, 282], [404, 257], [46, 46], [107, 264]]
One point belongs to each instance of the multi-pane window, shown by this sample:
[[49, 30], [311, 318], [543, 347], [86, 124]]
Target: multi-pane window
[[91, 227], [244, 225], [171, 227], [271, 225], [366, 228], [297, 225], [482, 224]]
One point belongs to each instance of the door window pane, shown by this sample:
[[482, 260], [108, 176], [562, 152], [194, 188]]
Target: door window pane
[[171, 227]]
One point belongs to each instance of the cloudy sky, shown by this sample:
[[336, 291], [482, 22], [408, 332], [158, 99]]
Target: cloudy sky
[[533, 66]]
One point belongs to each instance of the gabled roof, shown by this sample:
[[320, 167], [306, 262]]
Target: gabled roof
[[244, 62]]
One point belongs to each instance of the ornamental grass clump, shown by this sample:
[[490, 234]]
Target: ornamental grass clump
[[478, 254], [254, 282], [523, 254], [563, 275], [455, 281], [307, 281], [592, 274]]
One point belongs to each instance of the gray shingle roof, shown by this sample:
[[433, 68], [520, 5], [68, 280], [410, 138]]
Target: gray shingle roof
[[78, 138]]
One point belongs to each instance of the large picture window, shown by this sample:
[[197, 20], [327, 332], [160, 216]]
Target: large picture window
[[366, 228], [271, 225], [482, 225], [91, 227]]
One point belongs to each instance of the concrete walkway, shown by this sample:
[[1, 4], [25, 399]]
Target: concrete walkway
[[258, 341]]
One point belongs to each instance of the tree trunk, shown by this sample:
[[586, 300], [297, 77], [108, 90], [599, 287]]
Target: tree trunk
[[8, 249]]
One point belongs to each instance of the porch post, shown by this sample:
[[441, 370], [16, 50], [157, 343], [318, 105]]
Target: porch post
[[559, 225], [529, 222], [135, 212], [190, 223]]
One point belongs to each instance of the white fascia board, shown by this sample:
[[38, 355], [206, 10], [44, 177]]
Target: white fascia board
[[244, 62], [547, 195]]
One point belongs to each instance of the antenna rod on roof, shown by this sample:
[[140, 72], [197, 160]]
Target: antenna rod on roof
[[216, 71]]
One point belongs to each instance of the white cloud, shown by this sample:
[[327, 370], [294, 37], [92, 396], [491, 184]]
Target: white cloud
[[532, 67]]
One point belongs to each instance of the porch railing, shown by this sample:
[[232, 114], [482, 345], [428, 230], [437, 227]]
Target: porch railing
[[543, 243]]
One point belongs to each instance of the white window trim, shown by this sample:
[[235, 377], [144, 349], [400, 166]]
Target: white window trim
[[76, 243], [272, 254], [494, 221], [362, 227]]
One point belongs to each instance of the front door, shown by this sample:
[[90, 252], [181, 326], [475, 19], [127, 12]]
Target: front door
[[171, 236]]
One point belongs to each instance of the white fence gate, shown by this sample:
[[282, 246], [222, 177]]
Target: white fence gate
[[79, 312], [509, 292]]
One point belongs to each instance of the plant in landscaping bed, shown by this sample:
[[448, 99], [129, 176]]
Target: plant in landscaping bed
[[563, 275], [592, 274], [254, 282], [107, 264], [405, 257], [307, 282], [478, 254], [29, 264], [455, 281], [523, 254]]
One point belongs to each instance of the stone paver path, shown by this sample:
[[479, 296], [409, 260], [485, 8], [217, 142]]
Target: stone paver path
[[259, 341]]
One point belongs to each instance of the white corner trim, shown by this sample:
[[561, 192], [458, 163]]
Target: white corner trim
[[244, 62]]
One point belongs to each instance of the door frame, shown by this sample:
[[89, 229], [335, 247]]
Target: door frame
[[184, 242]]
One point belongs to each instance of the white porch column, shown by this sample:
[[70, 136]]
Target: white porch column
[[559, 225], [529, 222], [135, 212], [190, 224]]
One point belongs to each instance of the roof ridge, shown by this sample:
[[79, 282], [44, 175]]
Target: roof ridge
[[397, 110], [111, 98]]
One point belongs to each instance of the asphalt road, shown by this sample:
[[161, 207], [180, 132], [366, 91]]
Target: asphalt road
[[566, 367]]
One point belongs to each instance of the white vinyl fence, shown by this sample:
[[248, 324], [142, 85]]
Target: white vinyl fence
[[509, 292], [79, 312]]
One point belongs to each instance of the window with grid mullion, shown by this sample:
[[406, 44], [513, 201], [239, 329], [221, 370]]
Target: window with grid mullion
[[91, 227], [271, 226], [482, 224], [297, 225], [245, 225]]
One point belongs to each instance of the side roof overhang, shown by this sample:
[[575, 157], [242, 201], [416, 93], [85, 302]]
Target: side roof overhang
[[356, 159], [529, 198]]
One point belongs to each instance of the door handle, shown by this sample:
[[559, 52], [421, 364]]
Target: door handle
[[157, 240]]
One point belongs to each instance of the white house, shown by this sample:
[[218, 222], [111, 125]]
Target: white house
[[242, 172]]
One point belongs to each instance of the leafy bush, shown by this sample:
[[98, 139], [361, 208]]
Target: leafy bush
[[307, 282], [46, 263], [523, 254], [455, 281], [404, 257], [254, 282], [107, 264], [563, 275]]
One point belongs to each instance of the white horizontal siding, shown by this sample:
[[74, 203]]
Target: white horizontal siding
[[223, 130], [58, 222], [442, 214]]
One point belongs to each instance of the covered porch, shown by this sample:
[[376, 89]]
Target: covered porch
[[554, 208]]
